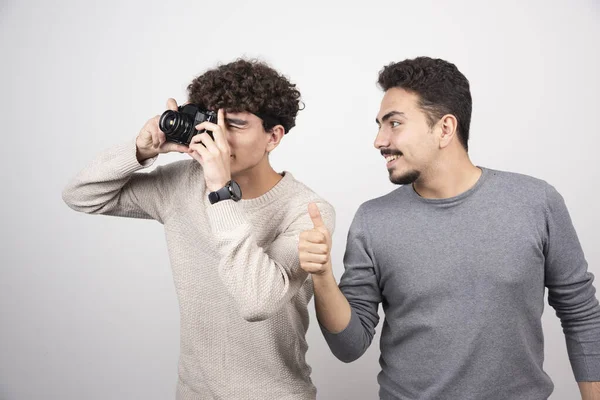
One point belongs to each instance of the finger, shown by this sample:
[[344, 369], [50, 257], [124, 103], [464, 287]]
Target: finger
[[315, 215], [314, 248], [220, 117], [205, 139], [216, 132], [219, 136], [196, 156], [209, 126], [313, 258], [162, 138], [195, 151], [313, 236], [155, 123], [154, 126], [154, 135], [171, 104], [200, 149], [312, 268]]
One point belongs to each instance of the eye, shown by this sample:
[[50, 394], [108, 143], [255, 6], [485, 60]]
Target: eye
[[395, 124]]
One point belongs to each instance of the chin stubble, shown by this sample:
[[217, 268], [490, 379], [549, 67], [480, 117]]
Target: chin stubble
[[406, 178]]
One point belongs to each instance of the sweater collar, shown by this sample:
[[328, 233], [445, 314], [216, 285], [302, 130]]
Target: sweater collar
[[282, 187]]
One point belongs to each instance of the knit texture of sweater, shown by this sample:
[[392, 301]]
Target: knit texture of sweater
[[242, 294]]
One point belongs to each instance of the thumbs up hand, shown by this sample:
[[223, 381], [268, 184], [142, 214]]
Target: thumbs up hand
[[314, 248]]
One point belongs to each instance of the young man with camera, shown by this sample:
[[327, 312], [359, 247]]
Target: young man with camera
[[232, 225], [459, 257]]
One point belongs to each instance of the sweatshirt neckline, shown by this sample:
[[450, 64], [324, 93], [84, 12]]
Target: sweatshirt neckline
[[456, 199]]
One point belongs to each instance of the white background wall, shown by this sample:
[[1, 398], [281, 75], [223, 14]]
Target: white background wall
[[87, 305]]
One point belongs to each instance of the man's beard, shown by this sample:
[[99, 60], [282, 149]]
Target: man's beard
[[405, 179]]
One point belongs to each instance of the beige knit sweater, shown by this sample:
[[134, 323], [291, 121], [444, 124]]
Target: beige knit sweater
[[242, 294]]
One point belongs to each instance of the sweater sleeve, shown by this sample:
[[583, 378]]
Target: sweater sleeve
[[359, 284], [570, 290], [260, 280], [110, 185]]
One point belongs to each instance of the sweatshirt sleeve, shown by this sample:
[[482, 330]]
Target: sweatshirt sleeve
[[111, 185], [260, 280], [359, 284], [570, 290]]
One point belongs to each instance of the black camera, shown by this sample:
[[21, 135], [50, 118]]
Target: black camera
[[180, 126]]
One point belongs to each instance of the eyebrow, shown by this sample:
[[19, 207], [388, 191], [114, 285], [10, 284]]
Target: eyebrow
[[236, 121], [390, 115]]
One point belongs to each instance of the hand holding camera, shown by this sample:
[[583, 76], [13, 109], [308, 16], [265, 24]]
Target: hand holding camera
[[212, 151], [152, 140], [192, 130]]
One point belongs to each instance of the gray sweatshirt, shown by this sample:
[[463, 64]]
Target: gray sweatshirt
[[462, 282]]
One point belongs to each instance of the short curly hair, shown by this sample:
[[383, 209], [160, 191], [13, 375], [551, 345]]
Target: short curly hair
[[441, 87], [248, 86]]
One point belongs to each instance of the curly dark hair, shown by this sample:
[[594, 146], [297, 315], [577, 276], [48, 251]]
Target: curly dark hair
[[441, 87], [250, 86]]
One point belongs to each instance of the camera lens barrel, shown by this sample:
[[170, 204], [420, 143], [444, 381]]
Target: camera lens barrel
[[178, 127]]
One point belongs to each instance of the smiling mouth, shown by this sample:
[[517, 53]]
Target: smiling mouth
[[390, 158]]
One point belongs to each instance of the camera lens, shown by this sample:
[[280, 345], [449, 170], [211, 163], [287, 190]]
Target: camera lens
[[169, 121], [176, 126]]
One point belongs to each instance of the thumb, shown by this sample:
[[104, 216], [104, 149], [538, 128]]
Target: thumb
[[171, 104], [315, 215]]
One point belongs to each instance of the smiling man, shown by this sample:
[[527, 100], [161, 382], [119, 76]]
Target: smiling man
[[232, 225], [458, 256]]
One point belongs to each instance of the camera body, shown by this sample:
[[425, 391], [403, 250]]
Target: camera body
[[180, 126]]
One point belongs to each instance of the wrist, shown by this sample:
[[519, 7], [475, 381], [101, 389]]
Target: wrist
[[325, 278], [228, 190], [214, 186], [144, 154]]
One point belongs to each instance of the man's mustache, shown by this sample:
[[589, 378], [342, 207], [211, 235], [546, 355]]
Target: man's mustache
[[390, 152]]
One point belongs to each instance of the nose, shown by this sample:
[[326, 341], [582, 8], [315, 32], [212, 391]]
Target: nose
[[382, 139]]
